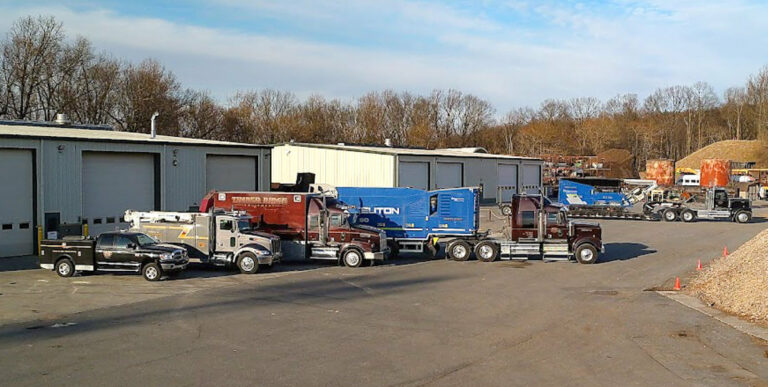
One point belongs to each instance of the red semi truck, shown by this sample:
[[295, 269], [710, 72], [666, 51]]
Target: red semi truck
[[310, 226]]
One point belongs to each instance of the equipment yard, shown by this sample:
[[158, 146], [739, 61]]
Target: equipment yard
[[406, 321]]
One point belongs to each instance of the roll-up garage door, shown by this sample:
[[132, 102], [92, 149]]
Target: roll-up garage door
[[231, 173], [531, 178], [114, 182], [16, 203], [414, 174], [507, 174], [450, 175]]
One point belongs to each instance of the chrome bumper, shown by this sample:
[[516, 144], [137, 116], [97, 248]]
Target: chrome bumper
[[174, 266], [268, 259], [380, 256]]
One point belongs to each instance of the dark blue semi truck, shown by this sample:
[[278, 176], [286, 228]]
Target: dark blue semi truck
[[417, 221]]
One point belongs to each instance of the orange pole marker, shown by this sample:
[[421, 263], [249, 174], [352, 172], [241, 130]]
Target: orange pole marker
[[698, 266], [677, 284], [725, 251]]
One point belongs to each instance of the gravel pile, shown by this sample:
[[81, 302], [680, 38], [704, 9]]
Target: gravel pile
[[734, 150], [738, 284]]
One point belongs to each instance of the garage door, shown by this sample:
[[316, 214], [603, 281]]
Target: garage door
[[231, 173], [113, 183], [16, 208], [532, 178], [507, 180], [414, 174], [450, 175]]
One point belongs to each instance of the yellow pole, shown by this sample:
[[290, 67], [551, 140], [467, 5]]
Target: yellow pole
[[85, 229], [39, 238]]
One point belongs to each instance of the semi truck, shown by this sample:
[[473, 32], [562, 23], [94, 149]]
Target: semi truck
[[414, 220], [216, 238], [717, 205], [536, 227], [112, 252], [310, 225]]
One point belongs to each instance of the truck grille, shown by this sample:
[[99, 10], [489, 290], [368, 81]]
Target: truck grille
[[275, 246]]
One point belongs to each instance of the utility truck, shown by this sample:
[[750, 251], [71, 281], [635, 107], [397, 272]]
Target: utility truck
[[216, 238], [414, 220], [310, 225], [536, 227]]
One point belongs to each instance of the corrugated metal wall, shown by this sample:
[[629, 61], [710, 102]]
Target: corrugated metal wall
[[335, 167]]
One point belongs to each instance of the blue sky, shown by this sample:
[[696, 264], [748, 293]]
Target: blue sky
[[512, 53]]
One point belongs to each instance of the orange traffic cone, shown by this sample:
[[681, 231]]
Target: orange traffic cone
[[698, 266], [677, 284], [725, 251]]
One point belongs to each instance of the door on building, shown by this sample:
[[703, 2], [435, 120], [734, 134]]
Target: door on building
[[414, 174], [507, 181], [531, 179], [231, 173], [450, 175], [17, 232], [114, 182]]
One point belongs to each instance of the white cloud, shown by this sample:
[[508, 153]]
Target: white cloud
[[575, 51]]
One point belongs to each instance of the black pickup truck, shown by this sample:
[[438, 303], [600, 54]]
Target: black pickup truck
[[113, 251]]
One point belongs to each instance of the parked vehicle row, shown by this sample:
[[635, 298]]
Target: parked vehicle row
[[348, 225]]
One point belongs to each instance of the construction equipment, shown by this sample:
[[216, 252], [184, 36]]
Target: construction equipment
[[604, 198]]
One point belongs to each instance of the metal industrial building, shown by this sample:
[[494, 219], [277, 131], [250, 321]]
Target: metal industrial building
[[374, 166], [53, 176]]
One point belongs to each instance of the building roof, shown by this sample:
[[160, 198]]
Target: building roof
[[476, 149], [24, 129], [450, 152]]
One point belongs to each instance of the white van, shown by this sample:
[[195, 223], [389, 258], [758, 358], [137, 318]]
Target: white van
[[689, 180]]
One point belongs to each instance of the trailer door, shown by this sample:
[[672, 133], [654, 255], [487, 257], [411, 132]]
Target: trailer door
[[414, 174], [450, 175]]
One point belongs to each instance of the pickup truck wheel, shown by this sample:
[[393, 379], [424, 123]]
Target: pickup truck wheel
[[152, 272], [65, 268], [352, 258], [247, 263], [487, 251], [743, 217], [506, 210], [459, 250], [586, 254], [669, 215], [688, 216]]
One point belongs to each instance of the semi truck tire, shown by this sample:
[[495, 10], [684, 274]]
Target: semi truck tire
[[458, 250], [669, 215], [152, 272], [487, 251], [688, 216], [586, 254], [65, 268], [247, 263], [352, 258], [742, 217]]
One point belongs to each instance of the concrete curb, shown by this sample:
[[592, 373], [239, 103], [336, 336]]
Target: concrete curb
[[740, 325]]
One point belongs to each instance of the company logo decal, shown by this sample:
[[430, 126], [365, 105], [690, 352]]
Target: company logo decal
[[380, 210]]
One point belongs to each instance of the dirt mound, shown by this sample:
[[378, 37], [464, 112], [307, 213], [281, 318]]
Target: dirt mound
[[738, 284], [734, 150], [618, 162]]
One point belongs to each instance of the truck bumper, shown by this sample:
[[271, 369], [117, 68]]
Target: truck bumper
[[171, 266], [379, 256], [267, 259]]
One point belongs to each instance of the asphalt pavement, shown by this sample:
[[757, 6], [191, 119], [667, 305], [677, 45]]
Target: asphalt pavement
[[408, 322]]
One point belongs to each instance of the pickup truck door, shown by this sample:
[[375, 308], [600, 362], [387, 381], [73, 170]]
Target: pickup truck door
[[124, 253], [103, 250]]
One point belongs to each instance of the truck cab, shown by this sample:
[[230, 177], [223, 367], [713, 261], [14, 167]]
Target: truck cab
[[217, 238], [538, 227]]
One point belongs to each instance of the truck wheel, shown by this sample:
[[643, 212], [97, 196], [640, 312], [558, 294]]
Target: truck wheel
[[743, 217], [669, 215], [247, 263], [586, 254], [352, 258], [506, 210], [688, 216], [459, 250], [152, 272], [65, 268], [487, 251]]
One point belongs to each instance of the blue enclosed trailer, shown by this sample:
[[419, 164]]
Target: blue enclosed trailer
[[416, 220]]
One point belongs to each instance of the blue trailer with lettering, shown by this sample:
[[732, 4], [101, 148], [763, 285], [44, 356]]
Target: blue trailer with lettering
[[415, 220], [594, 197]]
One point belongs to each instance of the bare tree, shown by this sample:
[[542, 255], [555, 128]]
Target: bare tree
[[735, 101]]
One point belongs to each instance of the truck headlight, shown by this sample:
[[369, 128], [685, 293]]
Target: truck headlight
[[166, 256], [261, 252]]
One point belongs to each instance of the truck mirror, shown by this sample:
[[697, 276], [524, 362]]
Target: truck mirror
[[131, 246]]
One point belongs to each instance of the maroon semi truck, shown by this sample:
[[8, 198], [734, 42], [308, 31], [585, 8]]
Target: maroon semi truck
[[537, 227], [310, 226]]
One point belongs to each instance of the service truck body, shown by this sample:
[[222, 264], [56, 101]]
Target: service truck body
[[310, 226], [219, 239], [414, 219]]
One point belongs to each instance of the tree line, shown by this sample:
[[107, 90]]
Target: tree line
[[43, 72]]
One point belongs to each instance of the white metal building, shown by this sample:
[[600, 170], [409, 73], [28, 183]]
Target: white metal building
[[52, 176], [373, 166]]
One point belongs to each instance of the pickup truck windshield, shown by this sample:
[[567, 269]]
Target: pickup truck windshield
[[243, 225], [146, 240]]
